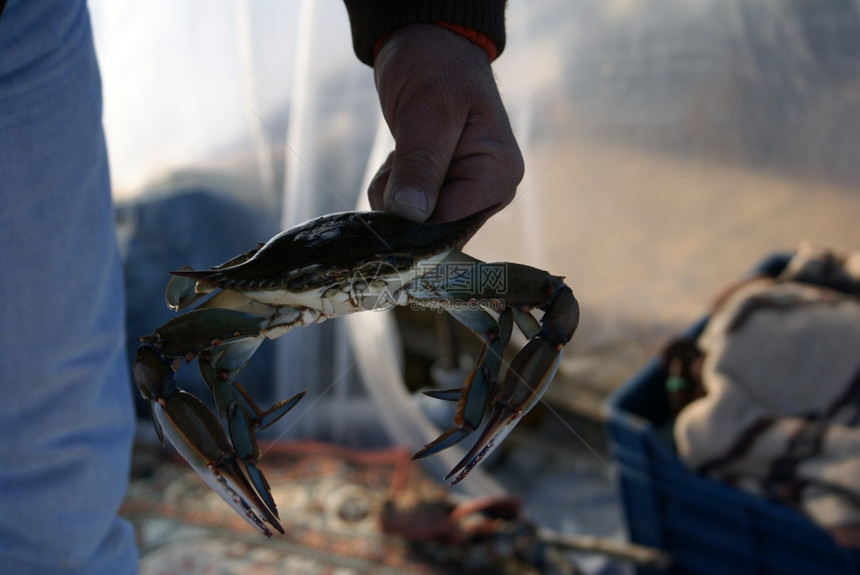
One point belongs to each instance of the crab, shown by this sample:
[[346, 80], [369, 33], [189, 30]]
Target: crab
[[331, 266]]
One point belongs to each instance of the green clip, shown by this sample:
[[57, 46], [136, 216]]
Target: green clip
[[676, 383]]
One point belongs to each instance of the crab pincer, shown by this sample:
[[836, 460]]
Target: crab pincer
[[529, 373], [198, 436]]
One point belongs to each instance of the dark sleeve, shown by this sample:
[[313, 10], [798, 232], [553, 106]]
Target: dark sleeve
[[373, 20]]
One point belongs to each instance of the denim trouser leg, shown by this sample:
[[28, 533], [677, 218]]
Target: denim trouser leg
[[66, 419]]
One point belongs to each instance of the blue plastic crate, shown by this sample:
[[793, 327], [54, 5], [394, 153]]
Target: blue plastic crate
[[707, 527]]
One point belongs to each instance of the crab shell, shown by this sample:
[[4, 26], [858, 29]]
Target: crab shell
[[300, 264]]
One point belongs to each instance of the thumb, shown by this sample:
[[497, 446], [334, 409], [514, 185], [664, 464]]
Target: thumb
[[424, 147]]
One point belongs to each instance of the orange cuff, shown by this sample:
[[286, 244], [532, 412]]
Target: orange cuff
[[474, 36]]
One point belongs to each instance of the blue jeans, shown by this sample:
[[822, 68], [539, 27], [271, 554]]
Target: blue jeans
[[66, 418]]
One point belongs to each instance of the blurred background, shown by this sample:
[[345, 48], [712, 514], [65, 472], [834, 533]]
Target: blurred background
[[669, 147]]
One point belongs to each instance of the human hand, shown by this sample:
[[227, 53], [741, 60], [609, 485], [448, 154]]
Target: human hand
[[455, 153]]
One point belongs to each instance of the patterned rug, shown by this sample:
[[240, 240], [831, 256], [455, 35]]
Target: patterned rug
[[345, 512]]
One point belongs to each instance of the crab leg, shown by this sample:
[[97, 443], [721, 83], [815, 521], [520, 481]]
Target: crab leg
[[224, 340], [473, 397], [527, 378], [519, 288], [198, 330], [235, 405], [196, 434]]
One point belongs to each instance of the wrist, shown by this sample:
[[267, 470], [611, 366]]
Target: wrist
[[372, 22], [480, 40]]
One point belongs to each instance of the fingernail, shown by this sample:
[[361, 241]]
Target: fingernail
[[410, 203]]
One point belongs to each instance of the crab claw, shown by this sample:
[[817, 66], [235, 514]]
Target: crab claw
[[243, 419], [218, 366], [529, 374], [472, 398], [527, 378], [196, 434]]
